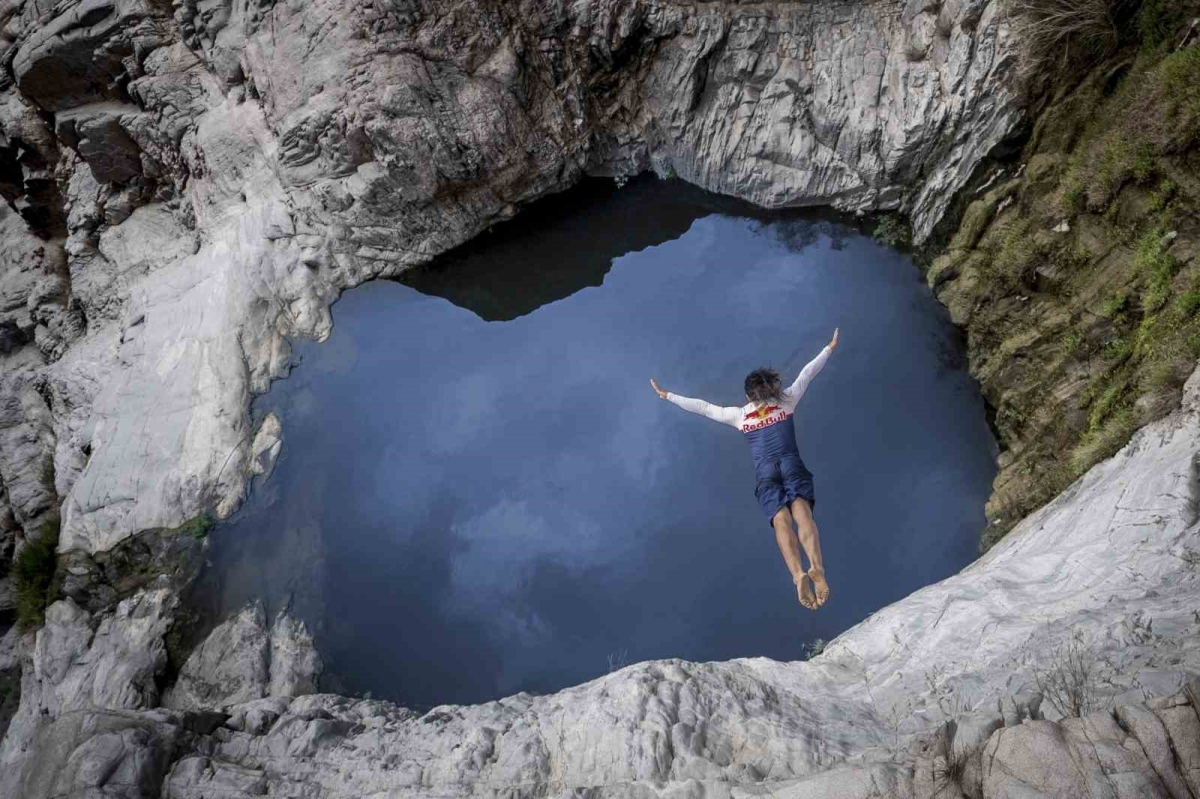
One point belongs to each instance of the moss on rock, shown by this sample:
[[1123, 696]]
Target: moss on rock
[[33, 572], [1077, 281]]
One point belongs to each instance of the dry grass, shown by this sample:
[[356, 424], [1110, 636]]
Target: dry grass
[[950, 765], [1071, 678], [1065, 35]]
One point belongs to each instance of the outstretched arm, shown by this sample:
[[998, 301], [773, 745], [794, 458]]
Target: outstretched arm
[[796, 389], [729, 416]]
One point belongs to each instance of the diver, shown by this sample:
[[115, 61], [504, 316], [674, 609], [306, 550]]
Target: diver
[[784, 485]]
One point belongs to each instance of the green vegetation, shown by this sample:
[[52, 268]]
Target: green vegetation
[[1186, 304], [197, 527], [892, 230], [1157, 266], [1079, 333], [1115, 305], [1016, 258], [1155, 112], [1072, 341], [1155, 22], [33, 571]]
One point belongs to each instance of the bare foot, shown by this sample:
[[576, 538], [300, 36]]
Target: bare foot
[[804, 591], [822, 587]]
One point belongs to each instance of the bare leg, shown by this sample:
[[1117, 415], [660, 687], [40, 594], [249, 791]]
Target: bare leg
[[785, 538], [810, 539]]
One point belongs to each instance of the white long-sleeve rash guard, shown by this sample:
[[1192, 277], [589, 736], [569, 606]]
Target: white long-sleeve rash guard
[[768, 427]]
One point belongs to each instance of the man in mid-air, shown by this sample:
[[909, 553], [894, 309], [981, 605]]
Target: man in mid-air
[[784, 485]]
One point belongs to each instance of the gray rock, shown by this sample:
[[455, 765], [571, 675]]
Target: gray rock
[[76, 664], [265, 448], [1183, 730], [96, 753], [1152, 736], [256, 716], [295, 665], [231, 666], [1031, 760], [98, 134], [1113, 763]]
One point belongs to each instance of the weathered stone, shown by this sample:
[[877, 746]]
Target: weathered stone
[[264, 450], [1183, 730], [1112, 763], [295, 665], [97, 134], [98, 753], [975, 220], [231, 666], [1028, 761], [1152, 736]]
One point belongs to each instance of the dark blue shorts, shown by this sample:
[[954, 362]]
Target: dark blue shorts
[[780, 482]]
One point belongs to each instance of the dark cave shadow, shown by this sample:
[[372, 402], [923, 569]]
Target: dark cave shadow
[[549, 251]]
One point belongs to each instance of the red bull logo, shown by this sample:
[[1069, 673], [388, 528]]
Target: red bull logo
[[762, 413], [763, 417]]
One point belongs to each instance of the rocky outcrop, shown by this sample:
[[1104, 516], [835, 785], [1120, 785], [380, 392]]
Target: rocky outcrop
[[206, 178], [1074, 275], [970, 677], [242, 660]]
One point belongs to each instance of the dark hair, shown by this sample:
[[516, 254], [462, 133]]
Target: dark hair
[[763, 385]]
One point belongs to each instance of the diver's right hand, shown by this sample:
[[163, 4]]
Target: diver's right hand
[[654, 385]]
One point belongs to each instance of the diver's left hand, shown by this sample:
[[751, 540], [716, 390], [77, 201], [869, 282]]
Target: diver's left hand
[[654, 385]]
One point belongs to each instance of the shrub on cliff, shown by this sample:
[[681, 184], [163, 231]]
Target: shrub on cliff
[[1064, 35], [1156, 21], [197, 527], [892, 231], [33, 570]]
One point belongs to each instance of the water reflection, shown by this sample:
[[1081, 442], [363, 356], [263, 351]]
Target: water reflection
[[466, 508]]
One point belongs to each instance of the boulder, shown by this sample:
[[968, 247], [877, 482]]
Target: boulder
[[231, 666]]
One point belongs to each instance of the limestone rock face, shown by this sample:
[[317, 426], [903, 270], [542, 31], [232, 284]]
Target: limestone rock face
[[295, 665], [204, 179], [242, 660], [231, 665]]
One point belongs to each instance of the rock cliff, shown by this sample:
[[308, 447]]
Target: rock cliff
[[188, 184], [198, 181]]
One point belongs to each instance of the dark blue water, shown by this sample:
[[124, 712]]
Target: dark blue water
[[468, 508]]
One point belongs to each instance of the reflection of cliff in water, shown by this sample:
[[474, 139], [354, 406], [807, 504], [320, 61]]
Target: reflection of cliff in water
[[552, 250]]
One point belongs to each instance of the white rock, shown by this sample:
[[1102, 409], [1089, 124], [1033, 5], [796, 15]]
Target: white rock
[[265, 448], [231, 666], [295, 665]]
